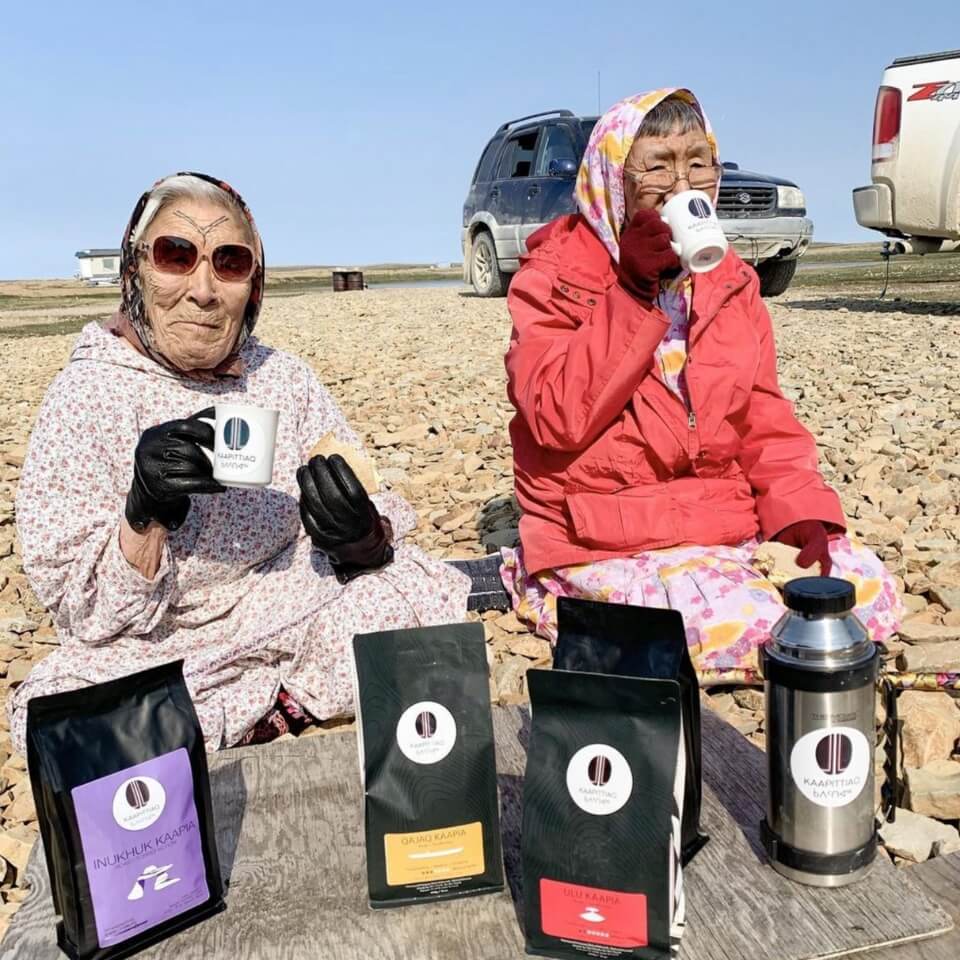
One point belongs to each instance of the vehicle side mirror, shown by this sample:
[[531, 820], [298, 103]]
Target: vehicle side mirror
[[562, 168]]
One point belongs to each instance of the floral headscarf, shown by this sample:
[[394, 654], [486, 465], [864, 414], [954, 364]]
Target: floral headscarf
[[599, 189], [131, 321]]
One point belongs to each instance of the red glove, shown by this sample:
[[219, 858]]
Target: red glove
[[810, 536], [645, 255]]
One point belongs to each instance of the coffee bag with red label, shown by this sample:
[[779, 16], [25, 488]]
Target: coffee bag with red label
[[119, 776], [602, 801]]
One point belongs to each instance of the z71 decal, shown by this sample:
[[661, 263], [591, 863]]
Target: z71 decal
[[939, 91]]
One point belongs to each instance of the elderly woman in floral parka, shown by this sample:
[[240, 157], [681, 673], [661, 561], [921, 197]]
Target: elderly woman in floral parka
[[143, 558]]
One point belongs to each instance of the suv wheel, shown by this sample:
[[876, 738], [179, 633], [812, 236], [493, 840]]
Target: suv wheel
[[485, 272], [775, 276]]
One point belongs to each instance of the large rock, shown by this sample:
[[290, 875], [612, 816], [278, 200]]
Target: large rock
[[534, 648], [947, 597], [931, 726], [509, 675], [15, 846], [930, 657], [914, 631], [510, 623], [19, 670], [750, 699], [947, 573], [934, 790], [915, 837]]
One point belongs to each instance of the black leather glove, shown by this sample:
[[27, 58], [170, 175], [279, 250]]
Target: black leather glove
[[341, 519], [167, 467]]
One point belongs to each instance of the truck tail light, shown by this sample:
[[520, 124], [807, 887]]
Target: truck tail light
[[886, 124]]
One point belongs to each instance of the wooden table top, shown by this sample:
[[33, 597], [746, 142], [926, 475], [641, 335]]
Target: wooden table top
[[290, 833]]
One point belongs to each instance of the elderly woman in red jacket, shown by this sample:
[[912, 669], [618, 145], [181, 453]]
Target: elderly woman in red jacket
[[653, 449]]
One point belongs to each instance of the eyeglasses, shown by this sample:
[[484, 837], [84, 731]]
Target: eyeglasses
[[663, 181], [231, 262]]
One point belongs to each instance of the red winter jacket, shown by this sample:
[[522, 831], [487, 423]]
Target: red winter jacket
[[608, 460]]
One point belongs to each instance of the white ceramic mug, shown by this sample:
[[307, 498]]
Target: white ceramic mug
[[245, 438], [698, 238]]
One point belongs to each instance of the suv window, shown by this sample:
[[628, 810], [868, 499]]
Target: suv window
[[517, 157], [556, 144], [484, 172]]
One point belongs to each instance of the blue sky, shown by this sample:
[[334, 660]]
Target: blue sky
[[352, 129]]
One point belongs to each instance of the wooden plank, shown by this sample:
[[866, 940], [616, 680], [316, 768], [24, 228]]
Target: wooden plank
[[294, 860], [770, 916], [939, 879], [289, 820]]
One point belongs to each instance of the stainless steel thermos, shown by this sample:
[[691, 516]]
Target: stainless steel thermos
[[820, 673]]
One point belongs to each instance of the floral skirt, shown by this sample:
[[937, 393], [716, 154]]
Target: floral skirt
[[727, 605]]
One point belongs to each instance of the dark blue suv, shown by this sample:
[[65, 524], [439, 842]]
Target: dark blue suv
[[525, 178]]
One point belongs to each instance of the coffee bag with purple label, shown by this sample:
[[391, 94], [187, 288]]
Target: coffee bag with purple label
[[120, 782]]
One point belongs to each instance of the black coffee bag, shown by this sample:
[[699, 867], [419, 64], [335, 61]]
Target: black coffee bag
[[639, 642], [601, 816], [428, 762], [119, 776]]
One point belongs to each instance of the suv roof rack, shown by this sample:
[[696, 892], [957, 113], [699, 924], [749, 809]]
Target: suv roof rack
[[533, 116]]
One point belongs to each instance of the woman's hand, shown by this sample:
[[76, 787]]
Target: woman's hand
[[168, 466], [813, 541], [341, 519], [645, 256]]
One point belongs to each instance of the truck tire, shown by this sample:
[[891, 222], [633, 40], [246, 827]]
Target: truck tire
[[775, 276], [487, 278]]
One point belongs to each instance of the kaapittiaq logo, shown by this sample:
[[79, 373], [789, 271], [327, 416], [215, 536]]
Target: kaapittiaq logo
[[599, 779], [426, 724], [426, 732], [236, 433], [137, 794], [834, 753], [138, 803], [831, 766], [599, 771], [699, 208]]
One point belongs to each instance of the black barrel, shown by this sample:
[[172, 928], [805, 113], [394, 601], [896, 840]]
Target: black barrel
[[347, 280]]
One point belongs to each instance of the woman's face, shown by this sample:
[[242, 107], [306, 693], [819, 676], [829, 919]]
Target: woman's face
[[677, 152], [195, 318]]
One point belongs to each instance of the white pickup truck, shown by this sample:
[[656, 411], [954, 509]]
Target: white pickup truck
[[915, 194]]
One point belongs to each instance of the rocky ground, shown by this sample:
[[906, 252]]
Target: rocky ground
[[420, 375]]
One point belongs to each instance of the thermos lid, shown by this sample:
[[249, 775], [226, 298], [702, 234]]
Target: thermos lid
[[819, 595], [819, 630]]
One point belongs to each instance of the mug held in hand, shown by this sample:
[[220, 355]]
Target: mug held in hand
[[244, 443], [698, 238]]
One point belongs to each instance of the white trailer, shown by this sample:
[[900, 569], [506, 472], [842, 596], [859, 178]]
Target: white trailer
[[99, 265]]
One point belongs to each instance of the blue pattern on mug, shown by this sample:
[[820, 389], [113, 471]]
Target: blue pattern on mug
[[236, 433]]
